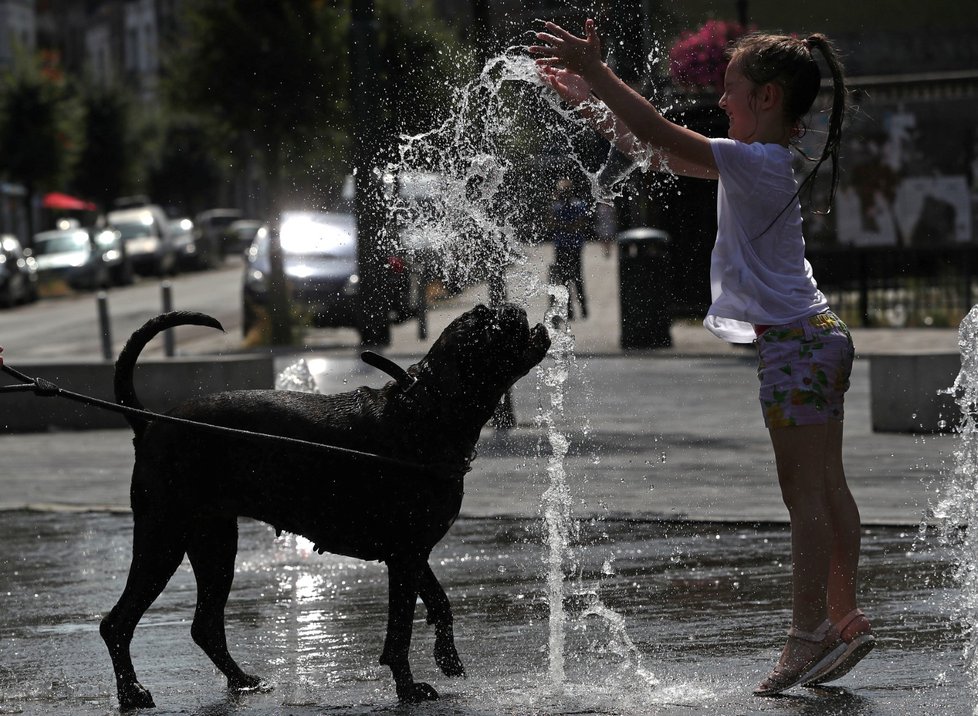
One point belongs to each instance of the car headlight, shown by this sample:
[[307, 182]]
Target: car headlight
[[255, 280]]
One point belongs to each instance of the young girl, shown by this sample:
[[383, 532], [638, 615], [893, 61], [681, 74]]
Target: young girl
[[762, 290]]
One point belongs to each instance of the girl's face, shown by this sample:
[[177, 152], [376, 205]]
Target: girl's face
[[738, 102]]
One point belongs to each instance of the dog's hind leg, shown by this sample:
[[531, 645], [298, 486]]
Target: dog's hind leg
[[156, 553], [403, 575], [212, 548], [440, 615]]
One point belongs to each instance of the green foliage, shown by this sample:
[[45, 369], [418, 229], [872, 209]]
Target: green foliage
[[272, 71], [424, 63], [184, 172], [104, 164], [275, 78], [38, 121]]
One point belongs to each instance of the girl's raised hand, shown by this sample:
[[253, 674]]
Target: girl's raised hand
[[562, 49], [570, 86]]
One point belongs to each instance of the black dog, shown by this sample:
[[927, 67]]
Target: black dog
[[189, 485]]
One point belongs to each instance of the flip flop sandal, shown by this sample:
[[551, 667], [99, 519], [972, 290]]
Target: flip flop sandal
[[831, 648], [859, 642]]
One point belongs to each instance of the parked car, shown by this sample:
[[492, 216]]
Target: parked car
[[212, 228], [189, 256], [83, 257], [319, 256], [18, 273], [148, 238], [240, 234]]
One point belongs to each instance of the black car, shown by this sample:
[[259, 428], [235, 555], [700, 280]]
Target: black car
[[18, 273], [210, 228], [239, 235], [319, 251], [85, 258], [190, 257]]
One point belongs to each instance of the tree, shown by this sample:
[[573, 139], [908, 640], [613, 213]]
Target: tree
[[38, 118], [185, 171], [268, 70], [275, 76], [103, 169], [423, 64], [265, 70]]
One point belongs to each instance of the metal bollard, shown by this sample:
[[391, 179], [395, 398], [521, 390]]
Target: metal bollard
[[169, 348], [422, 310], [104, 325]]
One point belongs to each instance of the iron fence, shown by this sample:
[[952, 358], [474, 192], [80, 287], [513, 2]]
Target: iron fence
[[897, 287]]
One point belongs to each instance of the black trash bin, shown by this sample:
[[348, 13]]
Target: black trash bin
[[644, 288]]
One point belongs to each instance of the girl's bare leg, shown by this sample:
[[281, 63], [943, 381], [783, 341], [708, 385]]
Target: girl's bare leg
[[824, 529], [841, 593]]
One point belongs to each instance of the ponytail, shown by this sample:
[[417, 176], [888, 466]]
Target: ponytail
[[790, 63], [833, 139]]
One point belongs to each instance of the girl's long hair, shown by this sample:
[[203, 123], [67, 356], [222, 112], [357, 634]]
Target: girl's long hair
[[790, 62]]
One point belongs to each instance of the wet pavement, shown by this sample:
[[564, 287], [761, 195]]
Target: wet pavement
[[680, 535], [676, 580], [701, 605]]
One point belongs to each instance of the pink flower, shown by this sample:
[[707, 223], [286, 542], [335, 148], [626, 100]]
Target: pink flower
[[697, 59]]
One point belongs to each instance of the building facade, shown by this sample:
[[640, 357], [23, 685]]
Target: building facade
[[18, 31]]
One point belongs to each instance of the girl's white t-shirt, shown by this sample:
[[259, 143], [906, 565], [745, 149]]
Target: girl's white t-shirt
[[758, 271]]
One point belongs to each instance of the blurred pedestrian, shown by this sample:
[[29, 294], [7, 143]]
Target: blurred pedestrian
[[763, 290], [572, 225], [605, 226]]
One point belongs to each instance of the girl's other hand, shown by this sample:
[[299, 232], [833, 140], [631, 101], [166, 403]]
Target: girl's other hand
[[570, 86], [562, 49]]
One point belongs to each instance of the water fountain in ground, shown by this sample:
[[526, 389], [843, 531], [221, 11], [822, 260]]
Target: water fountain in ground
[[957, 508], [470, 194], [489, 200]]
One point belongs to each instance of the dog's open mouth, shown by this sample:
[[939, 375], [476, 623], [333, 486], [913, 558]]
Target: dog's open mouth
[[539, 338], [513, 321]]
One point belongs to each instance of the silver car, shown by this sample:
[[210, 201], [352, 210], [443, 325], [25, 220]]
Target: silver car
[[319, 256], [149, 239], [82, 257]]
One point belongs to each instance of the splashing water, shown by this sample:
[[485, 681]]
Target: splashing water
[[557, 519], [469, 192], [957, 508], [474, 187], [296, 377]]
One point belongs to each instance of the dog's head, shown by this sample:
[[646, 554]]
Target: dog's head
[[477, 358]]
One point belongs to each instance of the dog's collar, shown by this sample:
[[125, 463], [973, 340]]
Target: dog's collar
[[404, 379]]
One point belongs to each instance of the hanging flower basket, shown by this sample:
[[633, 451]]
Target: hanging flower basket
[[697, 61]]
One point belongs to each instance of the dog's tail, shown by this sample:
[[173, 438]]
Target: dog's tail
[[125, 393]]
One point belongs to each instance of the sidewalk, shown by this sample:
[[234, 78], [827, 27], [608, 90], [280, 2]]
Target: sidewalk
[[652, 439], [599, 334], [665, 433]]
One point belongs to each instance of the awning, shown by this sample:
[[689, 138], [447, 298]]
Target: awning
[[57, 200]]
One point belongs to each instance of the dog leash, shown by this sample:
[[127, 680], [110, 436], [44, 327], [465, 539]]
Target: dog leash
[[45, 388]]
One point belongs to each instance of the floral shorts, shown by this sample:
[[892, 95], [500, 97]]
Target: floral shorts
[[804, 370]]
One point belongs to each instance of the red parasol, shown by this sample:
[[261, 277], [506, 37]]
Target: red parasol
[[56, 200]]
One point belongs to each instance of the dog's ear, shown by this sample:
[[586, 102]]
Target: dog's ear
[[403, 378]]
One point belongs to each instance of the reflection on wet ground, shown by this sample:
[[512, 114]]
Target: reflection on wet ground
[[703, 604]]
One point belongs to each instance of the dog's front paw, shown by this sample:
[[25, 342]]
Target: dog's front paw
[[247, 682], [134, 695], [416, 692]]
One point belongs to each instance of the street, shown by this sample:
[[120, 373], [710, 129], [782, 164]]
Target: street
[[67, 327]]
